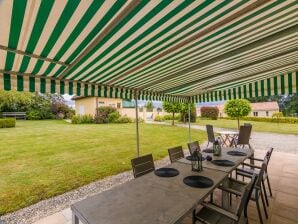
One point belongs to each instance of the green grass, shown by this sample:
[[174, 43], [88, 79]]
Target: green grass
[[40, 159], [282, 128]]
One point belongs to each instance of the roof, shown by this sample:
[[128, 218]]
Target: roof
[[265, 106], [261, 106], [156, 50]]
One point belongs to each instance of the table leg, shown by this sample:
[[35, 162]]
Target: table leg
[[75, 219]]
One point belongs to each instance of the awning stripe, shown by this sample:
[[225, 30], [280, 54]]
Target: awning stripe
[[278, 84]]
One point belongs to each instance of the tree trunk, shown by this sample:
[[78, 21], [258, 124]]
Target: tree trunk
[[238, 123], [173, 119]]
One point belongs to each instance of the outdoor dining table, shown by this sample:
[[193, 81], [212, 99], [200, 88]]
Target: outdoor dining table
[[228, 137], [149, 199]]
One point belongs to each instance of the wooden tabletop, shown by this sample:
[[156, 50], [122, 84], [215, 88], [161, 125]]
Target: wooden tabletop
[[148, 199]]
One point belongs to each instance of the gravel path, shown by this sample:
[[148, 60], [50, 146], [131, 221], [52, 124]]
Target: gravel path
[[259, 140], [264, 140]]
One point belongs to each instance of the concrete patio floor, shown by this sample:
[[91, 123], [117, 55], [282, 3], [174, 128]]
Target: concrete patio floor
[[283, 208]]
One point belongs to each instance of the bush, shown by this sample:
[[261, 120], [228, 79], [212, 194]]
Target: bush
[[159, 118], [82, 119], [113, 117], [289, 120], [123, 119], [7, 122], [33, 115], [210, 112], [102, 114], [169, 117], [277, 114]]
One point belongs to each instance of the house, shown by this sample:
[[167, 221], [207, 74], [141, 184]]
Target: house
[[262, 109], [88, 105]]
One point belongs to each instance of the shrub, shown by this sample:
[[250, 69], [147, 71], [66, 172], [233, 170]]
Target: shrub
[[124, 119], [113, 117], [159, 118], [209, 112], [102, 114], [277, 114], [169, 117], [82, 119], [290, 120], [33, 115], [7, 122]]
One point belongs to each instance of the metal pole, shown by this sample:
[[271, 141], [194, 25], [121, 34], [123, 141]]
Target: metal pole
[[137, 125], [189, 131]]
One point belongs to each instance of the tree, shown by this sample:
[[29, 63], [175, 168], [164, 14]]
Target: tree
[[171, 107], [237, 108], [184, 112], [149, 106]]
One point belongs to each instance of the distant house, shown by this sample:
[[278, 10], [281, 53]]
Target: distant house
[[88, 105], [264, 109]]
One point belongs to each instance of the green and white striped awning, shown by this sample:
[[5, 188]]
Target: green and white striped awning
[[158, 49]]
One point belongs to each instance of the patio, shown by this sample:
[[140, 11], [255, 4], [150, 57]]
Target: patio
[[283, 209]]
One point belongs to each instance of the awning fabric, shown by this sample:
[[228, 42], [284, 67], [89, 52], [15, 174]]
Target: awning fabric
[[158, 49]]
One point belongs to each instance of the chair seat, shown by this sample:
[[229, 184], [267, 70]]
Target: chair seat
[[248, 172], [206, 215], [239, 187]]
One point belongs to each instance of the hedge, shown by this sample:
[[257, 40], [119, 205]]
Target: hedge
[[290, 120], [7, 122], [209, 112]]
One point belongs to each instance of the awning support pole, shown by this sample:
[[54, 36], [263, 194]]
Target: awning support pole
[[137, 125], [189, 131]]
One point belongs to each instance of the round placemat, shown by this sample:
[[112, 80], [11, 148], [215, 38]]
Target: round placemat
[[166, 172], [198, 181], [208, 150], [190, 158], [236, 153], [223, 162]]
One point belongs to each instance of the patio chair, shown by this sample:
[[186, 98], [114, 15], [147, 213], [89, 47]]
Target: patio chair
[[142, 165], [237, 188], [193, 146], [244, 136], [248, 170], [213, 214], [176, 153], [210, 134]]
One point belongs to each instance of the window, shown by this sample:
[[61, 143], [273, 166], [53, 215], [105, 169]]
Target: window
[[267, 113], [118, 105], [255, 114], [100, 104]]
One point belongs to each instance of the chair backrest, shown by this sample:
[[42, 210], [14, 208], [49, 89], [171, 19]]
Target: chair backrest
[[244, 135], [269, 153], [176, 153], [261, 172], [242, 207], [193, 146], [247, 124], [210, 133], [142, 165]]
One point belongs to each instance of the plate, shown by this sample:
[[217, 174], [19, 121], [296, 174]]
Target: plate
[[198, 181], [166, 172]]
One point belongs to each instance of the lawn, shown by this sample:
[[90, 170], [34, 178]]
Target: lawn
[[281, 128], [40, 159]]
